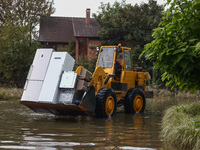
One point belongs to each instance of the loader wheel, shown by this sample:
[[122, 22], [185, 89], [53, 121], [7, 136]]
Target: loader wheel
[[106, 103], [134, 101]]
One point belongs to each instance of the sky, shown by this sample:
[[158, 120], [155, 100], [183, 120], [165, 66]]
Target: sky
[[77, 8]]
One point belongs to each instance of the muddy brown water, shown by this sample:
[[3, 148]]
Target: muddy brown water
[[21, 128]]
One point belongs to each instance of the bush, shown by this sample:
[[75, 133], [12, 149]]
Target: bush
[[87, 64], [180, 125], [10, 93]]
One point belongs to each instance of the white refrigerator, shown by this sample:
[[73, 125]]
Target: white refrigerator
[[60, 61], [36, 75]]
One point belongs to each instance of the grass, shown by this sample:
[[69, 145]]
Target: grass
[[10, 93], [164, 93], [181, 126]]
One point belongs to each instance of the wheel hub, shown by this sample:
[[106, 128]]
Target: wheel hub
[[110, 105], [138, 103]]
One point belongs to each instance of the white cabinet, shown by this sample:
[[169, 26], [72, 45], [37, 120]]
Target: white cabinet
[[68, 80]]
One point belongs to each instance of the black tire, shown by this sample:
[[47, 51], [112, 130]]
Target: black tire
[[106, 103], [134, 101]]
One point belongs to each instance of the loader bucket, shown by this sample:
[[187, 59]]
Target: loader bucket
[[57, 109], [86, 107]]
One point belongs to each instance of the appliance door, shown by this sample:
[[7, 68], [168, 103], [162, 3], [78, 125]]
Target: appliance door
[[31, 90], [40, 64]]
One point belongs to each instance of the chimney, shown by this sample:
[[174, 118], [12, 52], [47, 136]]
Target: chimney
[[88, 16]]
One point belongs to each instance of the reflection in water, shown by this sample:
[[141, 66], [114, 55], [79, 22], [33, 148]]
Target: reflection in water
[[23, 129]]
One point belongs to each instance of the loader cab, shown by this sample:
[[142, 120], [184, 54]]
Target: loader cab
[[115, 59]]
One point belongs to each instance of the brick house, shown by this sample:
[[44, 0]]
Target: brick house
[[56, 32]]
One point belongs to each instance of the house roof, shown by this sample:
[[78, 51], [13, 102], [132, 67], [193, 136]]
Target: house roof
[[56, 29], [65, 29], [81, 29]]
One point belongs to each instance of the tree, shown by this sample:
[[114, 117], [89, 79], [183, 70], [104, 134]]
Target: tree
[[15, 55], [176, 45], [19, 21], [25, 13], [131, 25]]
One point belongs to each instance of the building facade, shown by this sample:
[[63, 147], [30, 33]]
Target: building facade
[[58, 32]]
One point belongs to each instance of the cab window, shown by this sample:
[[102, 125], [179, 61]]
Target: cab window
[[127, 58], [106, 57]]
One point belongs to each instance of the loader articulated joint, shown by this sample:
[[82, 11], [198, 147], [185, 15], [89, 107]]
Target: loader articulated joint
[[109, 76]]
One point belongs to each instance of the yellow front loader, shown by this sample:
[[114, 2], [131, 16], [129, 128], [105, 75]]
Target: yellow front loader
[[115, 82]]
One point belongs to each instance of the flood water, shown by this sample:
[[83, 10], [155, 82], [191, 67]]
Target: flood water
[[21, 128]]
